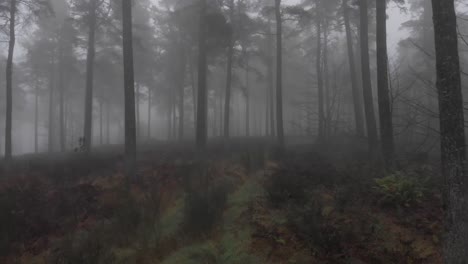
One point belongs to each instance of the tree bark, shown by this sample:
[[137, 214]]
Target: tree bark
[[51, 135], [386, 123], [230, 54], [88, 123], [181, 90], [36, 117], [357, 101], [202, 109], [321, 111], [129, 92], [9, 82], [62, 97], [453, 149], [366, 80], [279, 74], [149, 113]]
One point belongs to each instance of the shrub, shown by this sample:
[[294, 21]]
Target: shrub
[[400, 189]]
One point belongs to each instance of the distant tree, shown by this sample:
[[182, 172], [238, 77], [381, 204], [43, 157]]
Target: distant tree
[[15, 15], [386, 122], [452, 130], [279, 74], [366, 78], [129, 90], [202, 107]]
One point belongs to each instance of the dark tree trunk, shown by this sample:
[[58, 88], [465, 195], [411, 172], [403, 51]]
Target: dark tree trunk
[[230, 54], [9, 81], [279, 74], [452, 132], [107, 123], [366, 80], [357, 101], [150, 101], [386, 123], [129, 92], [51, 135], [202, 109], [326, 77], [101, 122], [88, 122], [247, 98], [62, 98], [321, 110], [181, 90], [36, 117], [270, 79], [137, 109]]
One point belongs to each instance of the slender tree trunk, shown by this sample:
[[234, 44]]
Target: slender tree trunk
[[279, 74], [62, 98], [36, 117], [194, 88], [181, 89], [386, 123], [88, 124], [453, 143], [230, 54], [51, 145], [270, 78], [247, 94], [321, 110], [326, 77], [149, 113], [129, 92], [357, 101], [366, 80], [137, 109], [107, 123], [9, 82], [101, 122], [202, 111]]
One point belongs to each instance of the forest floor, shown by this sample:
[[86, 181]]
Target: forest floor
[[316, 204]]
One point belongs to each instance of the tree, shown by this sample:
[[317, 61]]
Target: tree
[[202, 108], [9, 76], [357, 101], [279, 74], [29, 9], [366, 79], [91, 52], [129, 90], [385, 113], [319, 68], [452, 134], [230, 54]]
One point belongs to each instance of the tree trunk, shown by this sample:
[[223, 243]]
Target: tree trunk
[[62, 98], [321, 111], [270, 79], [452, 132], [202, 110], [366, 80], [279, 74], [129, 92], [9, 82], [137, 109], [149, 113], [247, 93], [230, 54], [52, 83], [101, 122], [386, 123], [107, 123], [326, 77], [36, 117], [357, 101], [88, 123], [181, 89]]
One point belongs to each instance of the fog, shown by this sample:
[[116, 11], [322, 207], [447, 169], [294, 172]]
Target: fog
[[302, 121]]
